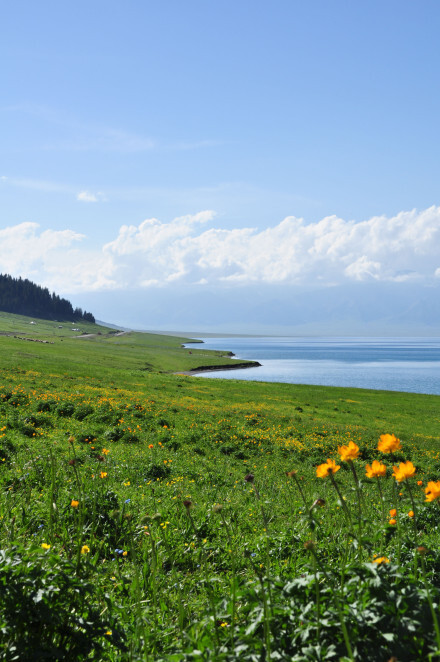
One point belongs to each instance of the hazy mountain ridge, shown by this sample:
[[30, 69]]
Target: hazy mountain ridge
[[377, 309]]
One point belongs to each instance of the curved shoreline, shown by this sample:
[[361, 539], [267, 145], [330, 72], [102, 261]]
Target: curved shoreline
[[216, 368]]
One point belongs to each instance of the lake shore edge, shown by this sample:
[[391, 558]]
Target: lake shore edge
[[216, 368]]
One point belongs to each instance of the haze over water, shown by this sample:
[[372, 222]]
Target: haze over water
[[391, 364]]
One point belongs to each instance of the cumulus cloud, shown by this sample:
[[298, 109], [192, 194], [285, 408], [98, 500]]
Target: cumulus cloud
[[191, 249], [22, 245], [51, 258], [331, 251]]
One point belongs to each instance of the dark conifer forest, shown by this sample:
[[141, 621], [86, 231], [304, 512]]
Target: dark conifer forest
[[22, 297]]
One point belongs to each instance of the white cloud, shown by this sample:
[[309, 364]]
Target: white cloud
[[400, 248], [363, 269], [86, 196], [50, 258], [22, 245], [331, 251]]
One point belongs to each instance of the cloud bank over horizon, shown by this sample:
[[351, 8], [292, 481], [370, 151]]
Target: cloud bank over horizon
[[191, 250]]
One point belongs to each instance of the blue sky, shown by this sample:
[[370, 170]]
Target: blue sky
[[220, 120]]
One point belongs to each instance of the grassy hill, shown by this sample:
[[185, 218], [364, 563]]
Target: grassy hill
[[147, 515], [75, 346]]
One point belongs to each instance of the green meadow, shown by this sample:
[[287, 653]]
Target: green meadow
[[151, 515]]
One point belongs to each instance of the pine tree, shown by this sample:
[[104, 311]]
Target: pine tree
[[22, 297]]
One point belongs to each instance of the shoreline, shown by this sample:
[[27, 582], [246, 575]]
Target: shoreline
[[217, 368]]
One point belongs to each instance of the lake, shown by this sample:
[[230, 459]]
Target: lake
[[391, 364]]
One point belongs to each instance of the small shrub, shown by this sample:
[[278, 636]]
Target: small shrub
[[39, 421], [7, 450], [85, 438], [46, 405], [65, 409], [82, 411], [114, 434], [227, 450], [158, 471]]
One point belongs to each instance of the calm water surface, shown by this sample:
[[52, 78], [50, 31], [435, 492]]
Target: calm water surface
[[392, 364]]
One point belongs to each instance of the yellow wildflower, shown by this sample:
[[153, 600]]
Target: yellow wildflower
[[85, 549], [404, 471], [45, 545], [388, 443], [375, 469], [381, 559], [330, 467], [349, 452], [432, 490]]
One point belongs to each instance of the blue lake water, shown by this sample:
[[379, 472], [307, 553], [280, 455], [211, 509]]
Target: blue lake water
[[391, 364]]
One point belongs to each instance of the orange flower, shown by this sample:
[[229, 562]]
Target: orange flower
[[432, 490], [388, 443], [381, 559], [150, 445], [404, 471], [420, 482], [393, 512], [74, 503], [103, 474], [375, 469], [392, 521], [330, 467], [348, 453], [411, 513]]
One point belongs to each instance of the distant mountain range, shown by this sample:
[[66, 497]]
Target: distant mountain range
[[358, 309]]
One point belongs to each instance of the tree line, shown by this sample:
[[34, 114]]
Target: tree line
[[22, 297]]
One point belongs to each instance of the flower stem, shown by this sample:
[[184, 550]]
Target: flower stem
[[359, 497], [414, 518], [413, 504], [295, 478], [399, 532], [341, 499], [382, 504]]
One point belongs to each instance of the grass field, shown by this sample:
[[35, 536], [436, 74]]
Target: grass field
[[146, 515]]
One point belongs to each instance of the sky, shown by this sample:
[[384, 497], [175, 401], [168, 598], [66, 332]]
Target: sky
[[215, 165]]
